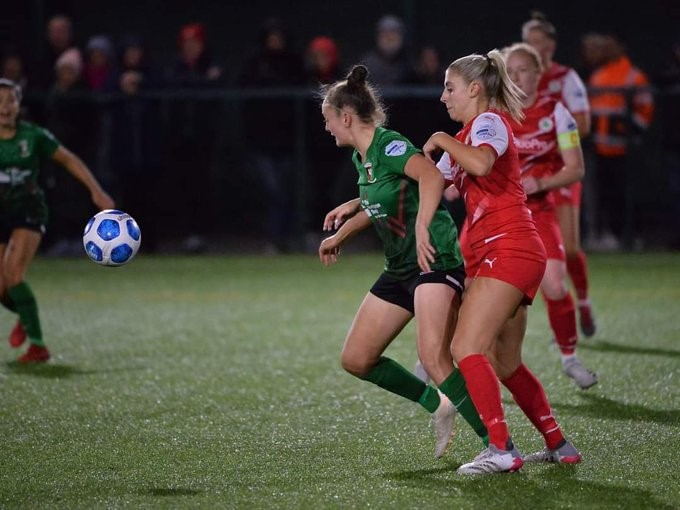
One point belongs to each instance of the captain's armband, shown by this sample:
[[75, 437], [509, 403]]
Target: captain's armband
[[568, 140]]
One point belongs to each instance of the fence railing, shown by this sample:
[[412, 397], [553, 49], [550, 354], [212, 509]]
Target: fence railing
[[215, 162]]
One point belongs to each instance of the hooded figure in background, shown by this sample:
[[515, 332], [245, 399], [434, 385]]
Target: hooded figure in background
[[269, 127], [387, 61]]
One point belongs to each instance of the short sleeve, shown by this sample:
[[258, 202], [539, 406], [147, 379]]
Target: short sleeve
[[574, 93], [445, 166], [396, 151], [489, 129], [47, 144]]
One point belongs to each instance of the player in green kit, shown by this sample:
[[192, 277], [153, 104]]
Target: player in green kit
[[400, 192], [24, 147]]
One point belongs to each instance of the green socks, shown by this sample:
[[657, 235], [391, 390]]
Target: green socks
[[26, 306], [391, 376], [7, 303], [454, 387]]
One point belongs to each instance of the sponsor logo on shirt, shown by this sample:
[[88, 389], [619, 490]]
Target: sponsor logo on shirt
[[485, 131], [395, 148], [14, 176]]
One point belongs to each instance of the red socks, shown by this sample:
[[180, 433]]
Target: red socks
[[578, 272], [562, 317], [485, 392], [528, 392]]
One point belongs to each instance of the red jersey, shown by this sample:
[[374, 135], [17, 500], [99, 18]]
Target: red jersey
[[547, 126], [499, 239], [496, 203], [564, 84]]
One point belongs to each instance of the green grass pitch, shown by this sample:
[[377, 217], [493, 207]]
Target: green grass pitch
[[214, 382]]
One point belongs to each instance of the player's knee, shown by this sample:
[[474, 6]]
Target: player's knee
[[12, 277], [554, 288], [357, 365], [572, 251]]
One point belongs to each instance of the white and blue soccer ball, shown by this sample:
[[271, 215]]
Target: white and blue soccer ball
[[112, 238]]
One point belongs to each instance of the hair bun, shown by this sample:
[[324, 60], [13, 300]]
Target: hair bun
[[538, 15], [357, 76]]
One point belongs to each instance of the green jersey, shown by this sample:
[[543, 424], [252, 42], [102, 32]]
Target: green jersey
[[21, 158], [390, 198]]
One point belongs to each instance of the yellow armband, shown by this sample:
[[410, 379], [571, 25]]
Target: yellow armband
[[568, 140]]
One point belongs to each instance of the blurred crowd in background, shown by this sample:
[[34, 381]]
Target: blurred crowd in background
[[204, 160]]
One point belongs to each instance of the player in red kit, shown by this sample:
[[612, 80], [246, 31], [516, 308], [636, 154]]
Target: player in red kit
[[565, 85], [550, 157], [504, 258]]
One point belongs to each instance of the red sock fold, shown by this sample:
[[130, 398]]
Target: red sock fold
[[562, 317], [577, 267], [530, 396], [482, 384]]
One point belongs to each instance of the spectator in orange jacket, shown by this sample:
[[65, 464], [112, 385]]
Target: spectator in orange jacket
[[622, 107]]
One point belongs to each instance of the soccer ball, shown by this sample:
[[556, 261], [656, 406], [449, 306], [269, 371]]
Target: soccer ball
[[111, 238]]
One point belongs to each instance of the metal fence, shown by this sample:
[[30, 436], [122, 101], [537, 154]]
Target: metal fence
[[237, 168]]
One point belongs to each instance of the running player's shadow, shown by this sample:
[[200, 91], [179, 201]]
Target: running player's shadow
[[55, 370], [597, 406], [444, 482], [604, 346]]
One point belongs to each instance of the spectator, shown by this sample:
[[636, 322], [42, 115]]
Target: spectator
[[71, 118], [136, 138], [13, 69], [267, 123], [387, 60], [60, 38], [620, 118], [669, 83], [423, 116], [191, 141], [99, 67], [194, 65], [136, 71], [322, 59], [428, 69]]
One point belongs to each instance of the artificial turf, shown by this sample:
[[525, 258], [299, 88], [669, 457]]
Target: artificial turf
[[214, 382]]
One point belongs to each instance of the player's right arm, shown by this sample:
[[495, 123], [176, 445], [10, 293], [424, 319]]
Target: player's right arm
[[330, 247], [337, 216]]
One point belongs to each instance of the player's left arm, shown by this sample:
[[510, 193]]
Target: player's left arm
[[430, 189], [569, 143], [80, 171], [572, 171]]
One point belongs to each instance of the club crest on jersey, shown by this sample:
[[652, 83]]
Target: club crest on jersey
[[554, 86], [369, 171], [395, 148], [545, 124], [23, 145]]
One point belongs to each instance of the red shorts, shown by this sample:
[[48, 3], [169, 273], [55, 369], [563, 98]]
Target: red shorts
[[517, 258], [549, 231], [569, 195]]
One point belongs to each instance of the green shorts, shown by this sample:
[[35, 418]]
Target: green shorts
[[22, 209]]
